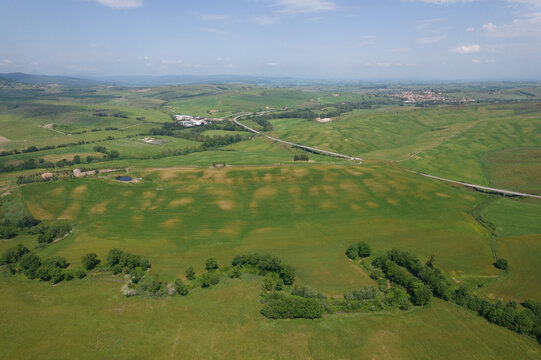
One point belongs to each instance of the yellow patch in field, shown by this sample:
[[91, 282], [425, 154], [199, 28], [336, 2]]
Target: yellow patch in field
[[348, 186], [168, 174], [127, 193], [265, 192], [267, 177], [146, 204], [99, 208], [299, 172], [220, 192], [137, 218], [284, 170], [181, 202], [392, 202], [38, 212], [78, 191], [71, 212], [58, 191], [371, 204], [148, 195], [355, 207], [188, 189], [171, 223], [230, 231], [225, 204], [327, 204], [375, 186], [294, 190], [219, 176], [442, 195]]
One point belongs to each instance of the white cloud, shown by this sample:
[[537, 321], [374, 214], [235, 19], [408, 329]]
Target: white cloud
[[470, 29], [219, 59], [476, 61], [431, 39], [266, 20], [231, 66], [272, 63], [530, 3], [121, 4], [5, 62], [383, 64], [467, 49], [171, 61], [215, 31], [305, 6], [526, 26], [425, 24]]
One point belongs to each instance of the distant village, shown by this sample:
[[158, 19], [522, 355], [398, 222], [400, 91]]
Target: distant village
[[421, 96]]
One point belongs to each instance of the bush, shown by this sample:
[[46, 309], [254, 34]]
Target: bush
[[211, 264], [29, 265], [90, 261], [502, 264], [181, 289], [80, 273], [12, 255], [190, 273], [291, 307]]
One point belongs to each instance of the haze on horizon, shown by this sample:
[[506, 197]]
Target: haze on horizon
[[388, 39]]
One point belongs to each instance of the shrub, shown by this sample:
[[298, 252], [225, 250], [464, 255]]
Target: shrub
[[12, 255], [181, 289], [190, 273], [90, 261], [211, 264], [291, 307], [502, 264], [80, 273], [29, 265]]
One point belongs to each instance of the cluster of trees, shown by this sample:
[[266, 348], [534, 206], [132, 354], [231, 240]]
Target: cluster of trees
[[264, 264], [501, 264], [527, 321], [124, 262], [359, 250], [110, 154], [48, 233], [10, 229], [29, 179], [281, 306], [290, 114], [116, 114], [345, 107], [35, 148], [300, 157], [19, 259], [419, 292]]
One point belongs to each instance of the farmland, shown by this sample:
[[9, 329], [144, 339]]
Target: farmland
[[218, 191]]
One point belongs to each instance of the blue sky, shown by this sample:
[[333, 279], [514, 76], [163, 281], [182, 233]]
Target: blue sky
[[376, 39]]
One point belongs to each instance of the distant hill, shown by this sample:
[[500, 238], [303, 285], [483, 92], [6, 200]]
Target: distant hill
[[48, 80]]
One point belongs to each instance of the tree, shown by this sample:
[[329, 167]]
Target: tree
[[29, 265], [113, 154], [352, 252], [77, 159], [113, 257], [211, 264], [502, 264], [287, 274], [90, 261], [421, 294], [190, 273], [12, 255], [363, 249], [181, 289]]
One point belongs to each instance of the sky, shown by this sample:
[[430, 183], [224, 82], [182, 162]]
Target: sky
[[465, 40]]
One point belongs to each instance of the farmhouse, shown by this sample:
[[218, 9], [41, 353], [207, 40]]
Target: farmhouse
[[47, 175], [79, 173]]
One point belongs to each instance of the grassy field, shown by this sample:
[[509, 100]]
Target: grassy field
[[223, 323], [184, 211], [307, 214]]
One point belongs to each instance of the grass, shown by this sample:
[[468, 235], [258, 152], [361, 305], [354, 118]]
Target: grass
[[223, 323], [307, 214]]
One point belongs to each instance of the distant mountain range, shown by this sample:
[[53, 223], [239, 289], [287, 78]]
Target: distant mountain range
[[48, 80]]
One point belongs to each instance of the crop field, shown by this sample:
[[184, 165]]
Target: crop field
[[196, 197]]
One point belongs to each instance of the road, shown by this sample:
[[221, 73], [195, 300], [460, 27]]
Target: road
[[474, 186], [308, 148], [500, 191]]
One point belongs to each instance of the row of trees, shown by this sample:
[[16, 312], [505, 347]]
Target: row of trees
[[9, 229], [264, 264], [281, 306], [300, 157]]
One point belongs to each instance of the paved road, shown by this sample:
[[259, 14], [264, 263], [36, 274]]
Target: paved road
[[500, 191], [315, 150]]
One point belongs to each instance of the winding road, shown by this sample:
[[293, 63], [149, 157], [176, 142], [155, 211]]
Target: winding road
[[308, 148], [315, 150]]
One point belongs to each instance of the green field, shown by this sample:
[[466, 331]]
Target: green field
[[185, 210]]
